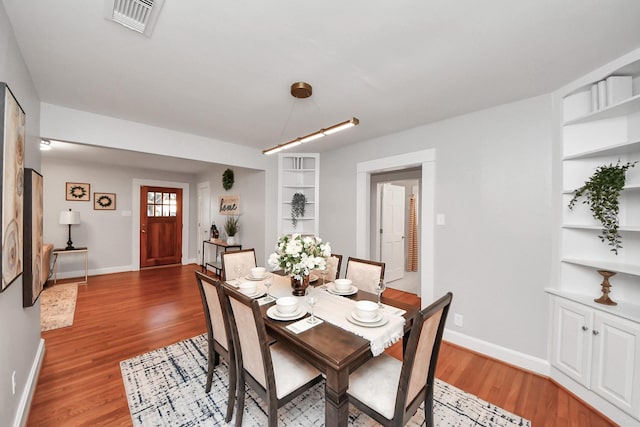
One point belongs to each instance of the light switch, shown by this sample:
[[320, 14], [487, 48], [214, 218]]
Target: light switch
[[440, 219]]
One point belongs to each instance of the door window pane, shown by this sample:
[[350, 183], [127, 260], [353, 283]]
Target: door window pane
[[161, 204]]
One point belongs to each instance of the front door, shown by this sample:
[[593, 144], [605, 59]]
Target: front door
[[160, 226]]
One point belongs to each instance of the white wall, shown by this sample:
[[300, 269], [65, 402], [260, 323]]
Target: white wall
[[493, 183], [107, 234], [20, 345]]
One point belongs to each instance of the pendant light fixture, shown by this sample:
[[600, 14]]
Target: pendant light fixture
[[303, 90]]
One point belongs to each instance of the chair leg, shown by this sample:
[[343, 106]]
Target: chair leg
[[216, 358], [428, 406], [232, 387], [273, 413], [241, 391], [210, 367]]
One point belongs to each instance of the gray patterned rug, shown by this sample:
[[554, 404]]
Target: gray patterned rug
[[165, 387], [58, 306]]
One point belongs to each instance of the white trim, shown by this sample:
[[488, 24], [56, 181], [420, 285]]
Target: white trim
[[516, 358], [30, 387], [135, 220], [427, 160]]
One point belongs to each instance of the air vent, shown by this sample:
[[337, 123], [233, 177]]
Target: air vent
[[137, 15]]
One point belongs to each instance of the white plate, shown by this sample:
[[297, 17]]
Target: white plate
[[331, 288], [360, 319], [250, 277], [255, 295], [273, 313], [380, 322]]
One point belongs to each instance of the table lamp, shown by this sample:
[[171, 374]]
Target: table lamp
[[69, 218]]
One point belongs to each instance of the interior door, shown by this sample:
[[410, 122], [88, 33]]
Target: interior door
[[204, 216], [160, 226], [392, 231]]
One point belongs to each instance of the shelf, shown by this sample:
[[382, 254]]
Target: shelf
[[289, 202], [618, 267], [623, 309], [614, 150], [298, 186], [632, 187], [298, 170], [599, 227], [631, 105], [306, 218]]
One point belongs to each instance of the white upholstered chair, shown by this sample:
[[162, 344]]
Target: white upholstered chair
[[274, 373], [364, 274], [218, 335], [334, 262], [245, 258], [402, 386]]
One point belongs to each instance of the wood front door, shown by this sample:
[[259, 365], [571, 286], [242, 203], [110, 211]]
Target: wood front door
[[160, 226]]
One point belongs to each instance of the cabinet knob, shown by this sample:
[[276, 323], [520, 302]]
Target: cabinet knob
[[585, 328], [595, 332]]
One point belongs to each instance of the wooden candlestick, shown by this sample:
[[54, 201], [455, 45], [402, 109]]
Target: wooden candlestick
[[606, 288]]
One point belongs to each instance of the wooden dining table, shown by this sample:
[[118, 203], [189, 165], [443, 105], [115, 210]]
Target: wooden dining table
[[334, 351]]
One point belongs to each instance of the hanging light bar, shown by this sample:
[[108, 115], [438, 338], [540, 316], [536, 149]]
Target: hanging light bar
[[313, 136]]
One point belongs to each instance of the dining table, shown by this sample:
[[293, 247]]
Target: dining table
[[334, 345]]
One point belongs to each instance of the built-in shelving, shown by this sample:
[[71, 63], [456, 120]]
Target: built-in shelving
[[298, 173]]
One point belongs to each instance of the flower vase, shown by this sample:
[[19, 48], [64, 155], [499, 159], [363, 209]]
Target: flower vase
[[299, 286], [231, 240]]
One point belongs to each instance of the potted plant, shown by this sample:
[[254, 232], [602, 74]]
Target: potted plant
[[601, 192], [231, 227], [298, 204]]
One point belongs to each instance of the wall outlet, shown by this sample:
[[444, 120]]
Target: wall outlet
[[457, 319], [440, 220], [13, 382]]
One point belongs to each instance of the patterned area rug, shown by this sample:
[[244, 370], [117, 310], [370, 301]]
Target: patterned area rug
[[166, 388], [57, 306]]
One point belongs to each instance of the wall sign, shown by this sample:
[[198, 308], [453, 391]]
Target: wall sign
[[229, 205]]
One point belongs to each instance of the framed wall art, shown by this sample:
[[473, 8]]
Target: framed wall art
[[229, 205], [78, 191], [104, 201], [32, 280], [12, 119]]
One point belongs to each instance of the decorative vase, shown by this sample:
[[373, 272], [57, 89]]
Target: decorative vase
[[231, 240], [606, 288], [299, 286]]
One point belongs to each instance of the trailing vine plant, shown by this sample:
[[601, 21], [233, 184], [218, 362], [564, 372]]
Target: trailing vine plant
[[298, 203], [601, 192], [227, 179]]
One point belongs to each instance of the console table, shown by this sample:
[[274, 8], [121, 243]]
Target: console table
[[219, 245], [61, 251]]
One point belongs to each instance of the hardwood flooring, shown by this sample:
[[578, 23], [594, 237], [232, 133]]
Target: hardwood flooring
[[121, 315]]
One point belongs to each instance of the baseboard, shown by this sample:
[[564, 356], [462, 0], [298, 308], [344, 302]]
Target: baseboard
[[30, 388], [94, 272], [512, 357]]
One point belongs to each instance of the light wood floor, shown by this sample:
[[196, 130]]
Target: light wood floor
[[121, 315]]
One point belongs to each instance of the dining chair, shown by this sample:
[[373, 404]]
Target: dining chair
[[246, 258], [401, 386], [334, 262], [274, 373], [365, 274], [218, 335]]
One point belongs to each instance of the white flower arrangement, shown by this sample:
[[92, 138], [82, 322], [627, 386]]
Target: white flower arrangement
[[298, 255]]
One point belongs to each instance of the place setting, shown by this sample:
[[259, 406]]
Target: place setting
[[342, 287], [367, 314]]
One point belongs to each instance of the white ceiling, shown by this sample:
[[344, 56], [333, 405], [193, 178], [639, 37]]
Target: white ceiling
[[223, 69]]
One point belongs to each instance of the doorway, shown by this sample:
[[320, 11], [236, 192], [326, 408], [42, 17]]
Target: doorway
[[160, 226]]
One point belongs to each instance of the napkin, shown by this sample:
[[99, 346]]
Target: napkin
[[303, 325]]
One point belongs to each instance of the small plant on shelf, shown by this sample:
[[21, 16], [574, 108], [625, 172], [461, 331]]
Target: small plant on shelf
[[231, 225], [601, 192], [298, 204]]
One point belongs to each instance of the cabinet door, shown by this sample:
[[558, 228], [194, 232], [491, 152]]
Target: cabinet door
[[616, 370], [572, 343]]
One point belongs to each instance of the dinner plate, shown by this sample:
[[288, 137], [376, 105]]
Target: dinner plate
[[273, 313], [383, 321], [360, 319], [331, 288], [250, 277], [257, 294]]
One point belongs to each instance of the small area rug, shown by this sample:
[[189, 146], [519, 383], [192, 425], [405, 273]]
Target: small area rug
[[57, 306], [165, 387]]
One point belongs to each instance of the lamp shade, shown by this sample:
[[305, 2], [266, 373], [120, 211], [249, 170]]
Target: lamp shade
[[69, 217]]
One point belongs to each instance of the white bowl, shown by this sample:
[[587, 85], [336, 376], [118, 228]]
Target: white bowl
[[248, 288], [257, 272], [287, 305], [366, 310], [343, 285]]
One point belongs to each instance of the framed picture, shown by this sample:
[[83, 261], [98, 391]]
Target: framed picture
[[229, 205], [32, 280], [12, 186], [104, 201], [78, 191]]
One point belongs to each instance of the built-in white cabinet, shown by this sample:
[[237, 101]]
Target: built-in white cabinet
[[599, 350], [298, 173], [597, 346]]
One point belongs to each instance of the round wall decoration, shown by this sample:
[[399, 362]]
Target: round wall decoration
[[227, 179]]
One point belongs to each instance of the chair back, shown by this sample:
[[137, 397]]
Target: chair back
[[420, 357], [250, 338], [334, 262], [211, 294], [364, 274], [246, 258]]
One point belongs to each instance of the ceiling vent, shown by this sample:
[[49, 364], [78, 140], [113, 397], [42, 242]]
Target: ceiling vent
[[138, 15]]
